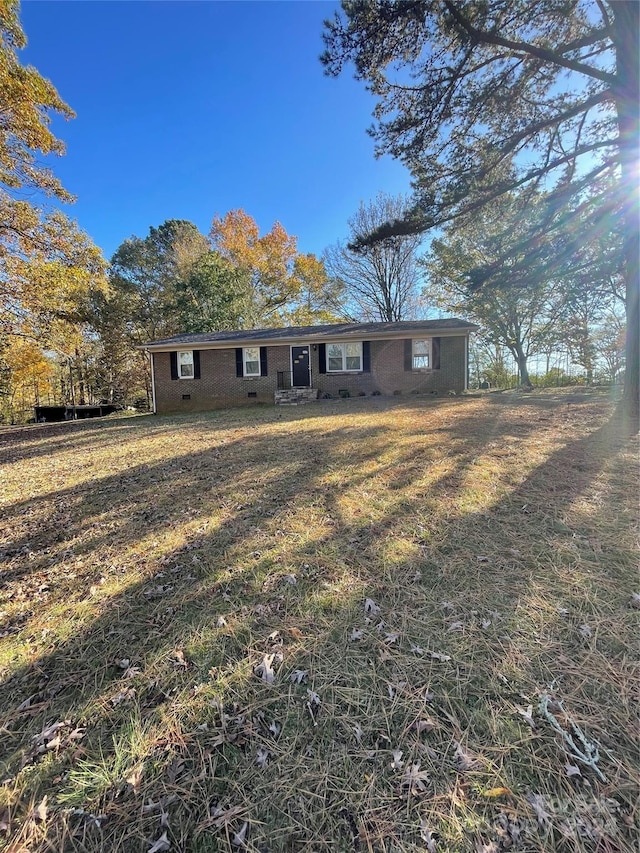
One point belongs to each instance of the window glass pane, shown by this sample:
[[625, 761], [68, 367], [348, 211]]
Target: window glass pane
[[334, 360], [185, 364], [354, 349], [420, 361], [353, 362], [421, 347], [252, 361]]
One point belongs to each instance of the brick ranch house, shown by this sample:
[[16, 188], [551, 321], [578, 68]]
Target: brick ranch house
[[220, 369]]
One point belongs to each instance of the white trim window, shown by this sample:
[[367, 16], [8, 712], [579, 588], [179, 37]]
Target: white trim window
[[185, 365], [421, 354], [251, 361], [344, 358]]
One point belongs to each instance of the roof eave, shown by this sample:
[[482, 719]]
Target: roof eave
[[304, 339]]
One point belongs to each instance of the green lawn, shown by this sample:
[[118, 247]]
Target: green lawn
[[321, 629]]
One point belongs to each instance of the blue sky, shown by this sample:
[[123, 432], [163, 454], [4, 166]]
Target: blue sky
[[188, 109]]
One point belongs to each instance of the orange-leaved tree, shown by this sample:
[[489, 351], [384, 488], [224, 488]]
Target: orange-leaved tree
[[285, 285]]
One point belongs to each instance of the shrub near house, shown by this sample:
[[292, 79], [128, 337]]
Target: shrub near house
[[221, 369]]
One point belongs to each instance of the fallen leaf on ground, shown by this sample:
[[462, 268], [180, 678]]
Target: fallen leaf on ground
[[493, 793], [157, 591], [635, 599], [415, 779], [370, 607], [135, 777], [486, 846], [397, 763], [220, 817], [586, 631], [508, 831], [265, 671], [123, 696], [464, 758], [439, 656], [221, 622], [424, 726], [314, 699], [540, 807], [161, 844], [298, 676], [527, 715], [572, 770], [40, 811], [240, 838], [356, 634], [427, 836], [262, 757], [179, 659]]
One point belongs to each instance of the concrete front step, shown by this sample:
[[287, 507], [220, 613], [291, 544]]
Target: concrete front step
[[295, 396]]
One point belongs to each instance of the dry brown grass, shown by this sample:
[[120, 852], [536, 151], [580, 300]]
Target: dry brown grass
[[149, 565]]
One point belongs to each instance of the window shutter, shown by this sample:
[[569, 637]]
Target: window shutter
[[366, 356], [435, 353], [174, 364], [408, 354], [239, 368], [322, 358], [263, 361], [196, 364]]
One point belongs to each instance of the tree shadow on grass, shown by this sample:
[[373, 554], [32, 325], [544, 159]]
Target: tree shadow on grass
[[271, 516]]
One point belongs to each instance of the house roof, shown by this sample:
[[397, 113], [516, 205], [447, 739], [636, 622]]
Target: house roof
[[327, 332]]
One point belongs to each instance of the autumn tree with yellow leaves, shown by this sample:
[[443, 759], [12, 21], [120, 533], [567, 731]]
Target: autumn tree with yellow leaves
[[285, 287], [48, 266]]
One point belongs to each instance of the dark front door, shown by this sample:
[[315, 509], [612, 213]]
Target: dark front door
[[300, 367]]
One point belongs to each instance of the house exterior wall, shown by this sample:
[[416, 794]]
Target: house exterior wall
[[219, 387]]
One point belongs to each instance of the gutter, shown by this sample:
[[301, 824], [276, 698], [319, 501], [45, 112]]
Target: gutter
[[289, 341]]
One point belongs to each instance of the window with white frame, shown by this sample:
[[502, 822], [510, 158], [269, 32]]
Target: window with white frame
[[185, 365], [421, 354], [344, 357], [251, 361]]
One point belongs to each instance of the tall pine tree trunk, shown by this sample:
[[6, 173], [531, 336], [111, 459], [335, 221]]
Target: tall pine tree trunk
[[627, 38]]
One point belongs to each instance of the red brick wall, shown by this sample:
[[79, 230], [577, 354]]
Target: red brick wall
[[219, 387], [388, 374]]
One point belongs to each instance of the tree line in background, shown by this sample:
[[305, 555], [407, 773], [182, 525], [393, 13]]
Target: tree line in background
[[529, 103], [542, 268]]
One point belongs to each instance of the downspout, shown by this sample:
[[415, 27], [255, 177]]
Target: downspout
[[466, 363], [153, 383]]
